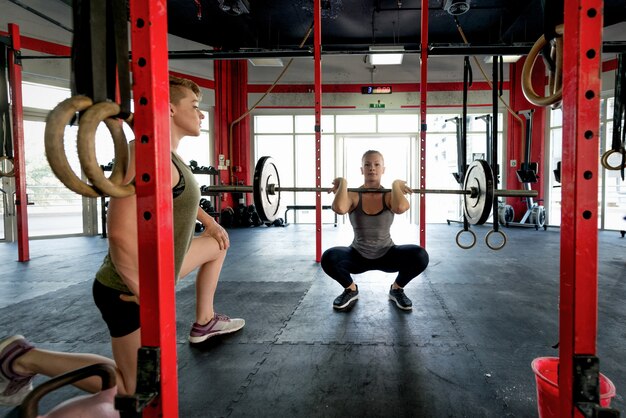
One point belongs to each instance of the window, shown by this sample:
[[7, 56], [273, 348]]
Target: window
[[611, 189], [290, 140]]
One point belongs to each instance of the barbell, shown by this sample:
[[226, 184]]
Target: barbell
[[478, 187], [478, 190]]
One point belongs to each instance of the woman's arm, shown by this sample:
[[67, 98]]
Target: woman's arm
[[343, 201], [122, 231], [396, 200], [213, 229]]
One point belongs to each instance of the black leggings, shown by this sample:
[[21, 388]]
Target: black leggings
[[408, 260]]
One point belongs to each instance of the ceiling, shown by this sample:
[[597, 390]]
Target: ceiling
[[278, 27], [201, 31]]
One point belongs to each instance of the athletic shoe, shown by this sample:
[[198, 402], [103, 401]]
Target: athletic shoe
[[13, 386], [219, 325], [346, 300], [401, 300]]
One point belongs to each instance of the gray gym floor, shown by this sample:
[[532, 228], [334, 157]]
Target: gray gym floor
[[480, 317]]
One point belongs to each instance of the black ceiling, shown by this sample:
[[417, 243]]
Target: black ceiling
[[353, 25]]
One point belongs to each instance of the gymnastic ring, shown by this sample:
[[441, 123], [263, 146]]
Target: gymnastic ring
[[605, 159], [495, 247], [458, 241], [86, 144], [555, 81], [10, 173], [56, 121]]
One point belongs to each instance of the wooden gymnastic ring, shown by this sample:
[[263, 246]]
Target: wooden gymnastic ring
[[56, 121], [495, 246], [555, 82], [605, 159], [86, 144], [458, 239], [10, 173]]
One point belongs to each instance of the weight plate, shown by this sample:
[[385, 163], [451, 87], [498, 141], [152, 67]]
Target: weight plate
[[266, 174], [478, 208]]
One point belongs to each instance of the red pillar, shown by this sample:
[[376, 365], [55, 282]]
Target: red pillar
[[515, 138], [231, 102], [578, 307], [317, 52], [154, 195], [19, 164], [423, 111], [241, 130]]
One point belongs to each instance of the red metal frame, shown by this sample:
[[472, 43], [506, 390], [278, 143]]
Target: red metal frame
[[317, 44], [515, 149], [580, 173], [34, 44], [423, 111], [154, 195], [220, 124], [19, 163]]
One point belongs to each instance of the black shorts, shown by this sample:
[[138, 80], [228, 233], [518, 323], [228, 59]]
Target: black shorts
[[121, 317]]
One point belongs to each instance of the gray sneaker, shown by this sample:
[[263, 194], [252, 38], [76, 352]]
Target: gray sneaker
[[401, 300], [219, 325], [346, 300], [13, 386]]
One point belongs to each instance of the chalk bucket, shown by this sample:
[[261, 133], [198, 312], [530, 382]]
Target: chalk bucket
[[546, 376]]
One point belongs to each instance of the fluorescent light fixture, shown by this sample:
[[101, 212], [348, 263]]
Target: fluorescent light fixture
[[266, 62], [505, 58], [386, 55]]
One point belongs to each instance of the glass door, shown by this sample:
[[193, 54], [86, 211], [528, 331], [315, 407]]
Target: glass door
[[396, 151]]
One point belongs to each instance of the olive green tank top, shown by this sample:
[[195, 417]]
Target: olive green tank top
[[185, 212]]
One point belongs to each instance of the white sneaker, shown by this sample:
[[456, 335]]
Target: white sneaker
[[13, 387], [219, 325]]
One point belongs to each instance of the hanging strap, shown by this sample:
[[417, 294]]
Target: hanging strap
[[618, 142], [100, 52], [553, 16], [615, 158], [619, 105], [6, 139]]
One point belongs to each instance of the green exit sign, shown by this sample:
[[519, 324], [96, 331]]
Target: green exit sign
[[377, 105]]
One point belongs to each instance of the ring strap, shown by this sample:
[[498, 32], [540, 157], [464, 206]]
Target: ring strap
[[6, 138]]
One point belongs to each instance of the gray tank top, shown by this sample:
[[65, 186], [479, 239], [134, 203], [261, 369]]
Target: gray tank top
[[371, 232]]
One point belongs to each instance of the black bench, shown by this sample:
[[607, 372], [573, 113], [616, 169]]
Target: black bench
[[305, 207]]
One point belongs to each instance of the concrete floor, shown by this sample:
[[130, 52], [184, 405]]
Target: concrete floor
[[480, 317]]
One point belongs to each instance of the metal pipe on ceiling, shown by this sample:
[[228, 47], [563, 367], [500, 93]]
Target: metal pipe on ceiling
[[609, 47]]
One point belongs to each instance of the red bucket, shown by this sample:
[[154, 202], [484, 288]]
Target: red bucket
[[546, 375]]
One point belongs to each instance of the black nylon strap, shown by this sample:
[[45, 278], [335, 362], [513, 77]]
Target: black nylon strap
[[618, 142], [552, 17], [463, 146], [6, 138], [619, 105], [99, 43], [553, 11], [100, 51], [120, 31]]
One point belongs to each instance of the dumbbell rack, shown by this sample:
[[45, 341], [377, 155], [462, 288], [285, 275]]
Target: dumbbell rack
[[217, 202]]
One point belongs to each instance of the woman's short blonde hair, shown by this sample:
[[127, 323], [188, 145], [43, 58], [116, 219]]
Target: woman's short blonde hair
[[370, 152], [177, 84]]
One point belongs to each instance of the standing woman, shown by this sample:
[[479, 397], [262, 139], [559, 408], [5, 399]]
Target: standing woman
[[116, 287]]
